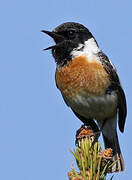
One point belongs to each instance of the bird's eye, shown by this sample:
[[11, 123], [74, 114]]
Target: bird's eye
[[71, 33]]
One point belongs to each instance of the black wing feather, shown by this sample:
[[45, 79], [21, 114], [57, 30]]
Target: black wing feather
[[122, 109], [115, 85]]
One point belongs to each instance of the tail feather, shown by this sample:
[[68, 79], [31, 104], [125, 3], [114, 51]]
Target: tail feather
[[119, 165], [111, 141]]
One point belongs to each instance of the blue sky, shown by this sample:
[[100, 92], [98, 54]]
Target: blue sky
[[37, 129]]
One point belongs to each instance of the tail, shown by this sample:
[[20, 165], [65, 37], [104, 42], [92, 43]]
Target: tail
[[111, 141]]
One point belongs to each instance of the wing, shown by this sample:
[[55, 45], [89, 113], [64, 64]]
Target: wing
[[115, 85]]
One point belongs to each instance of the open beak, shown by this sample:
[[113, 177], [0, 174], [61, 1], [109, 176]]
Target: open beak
[[57, 38]]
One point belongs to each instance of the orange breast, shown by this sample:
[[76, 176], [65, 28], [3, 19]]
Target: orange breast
[[82, 76]]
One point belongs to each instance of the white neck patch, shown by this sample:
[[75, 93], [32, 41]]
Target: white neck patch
[[90, 49]]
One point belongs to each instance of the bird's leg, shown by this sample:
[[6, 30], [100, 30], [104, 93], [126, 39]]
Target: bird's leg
[[103, 124]]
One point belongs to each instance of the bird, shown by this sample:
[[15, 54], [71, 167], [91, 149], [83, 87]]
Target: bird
[[89, 84]]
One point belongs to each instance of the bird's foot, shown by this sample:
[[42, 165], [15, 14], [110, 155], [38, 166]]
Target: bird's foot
[[86, 131]]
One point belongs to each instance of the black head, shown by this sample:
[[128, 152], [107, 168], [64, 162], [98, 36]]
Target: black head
[[67, 36]]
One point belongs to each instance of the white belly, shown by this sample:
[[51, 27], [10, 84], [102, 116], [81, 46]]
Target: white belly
[[96, 107]]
